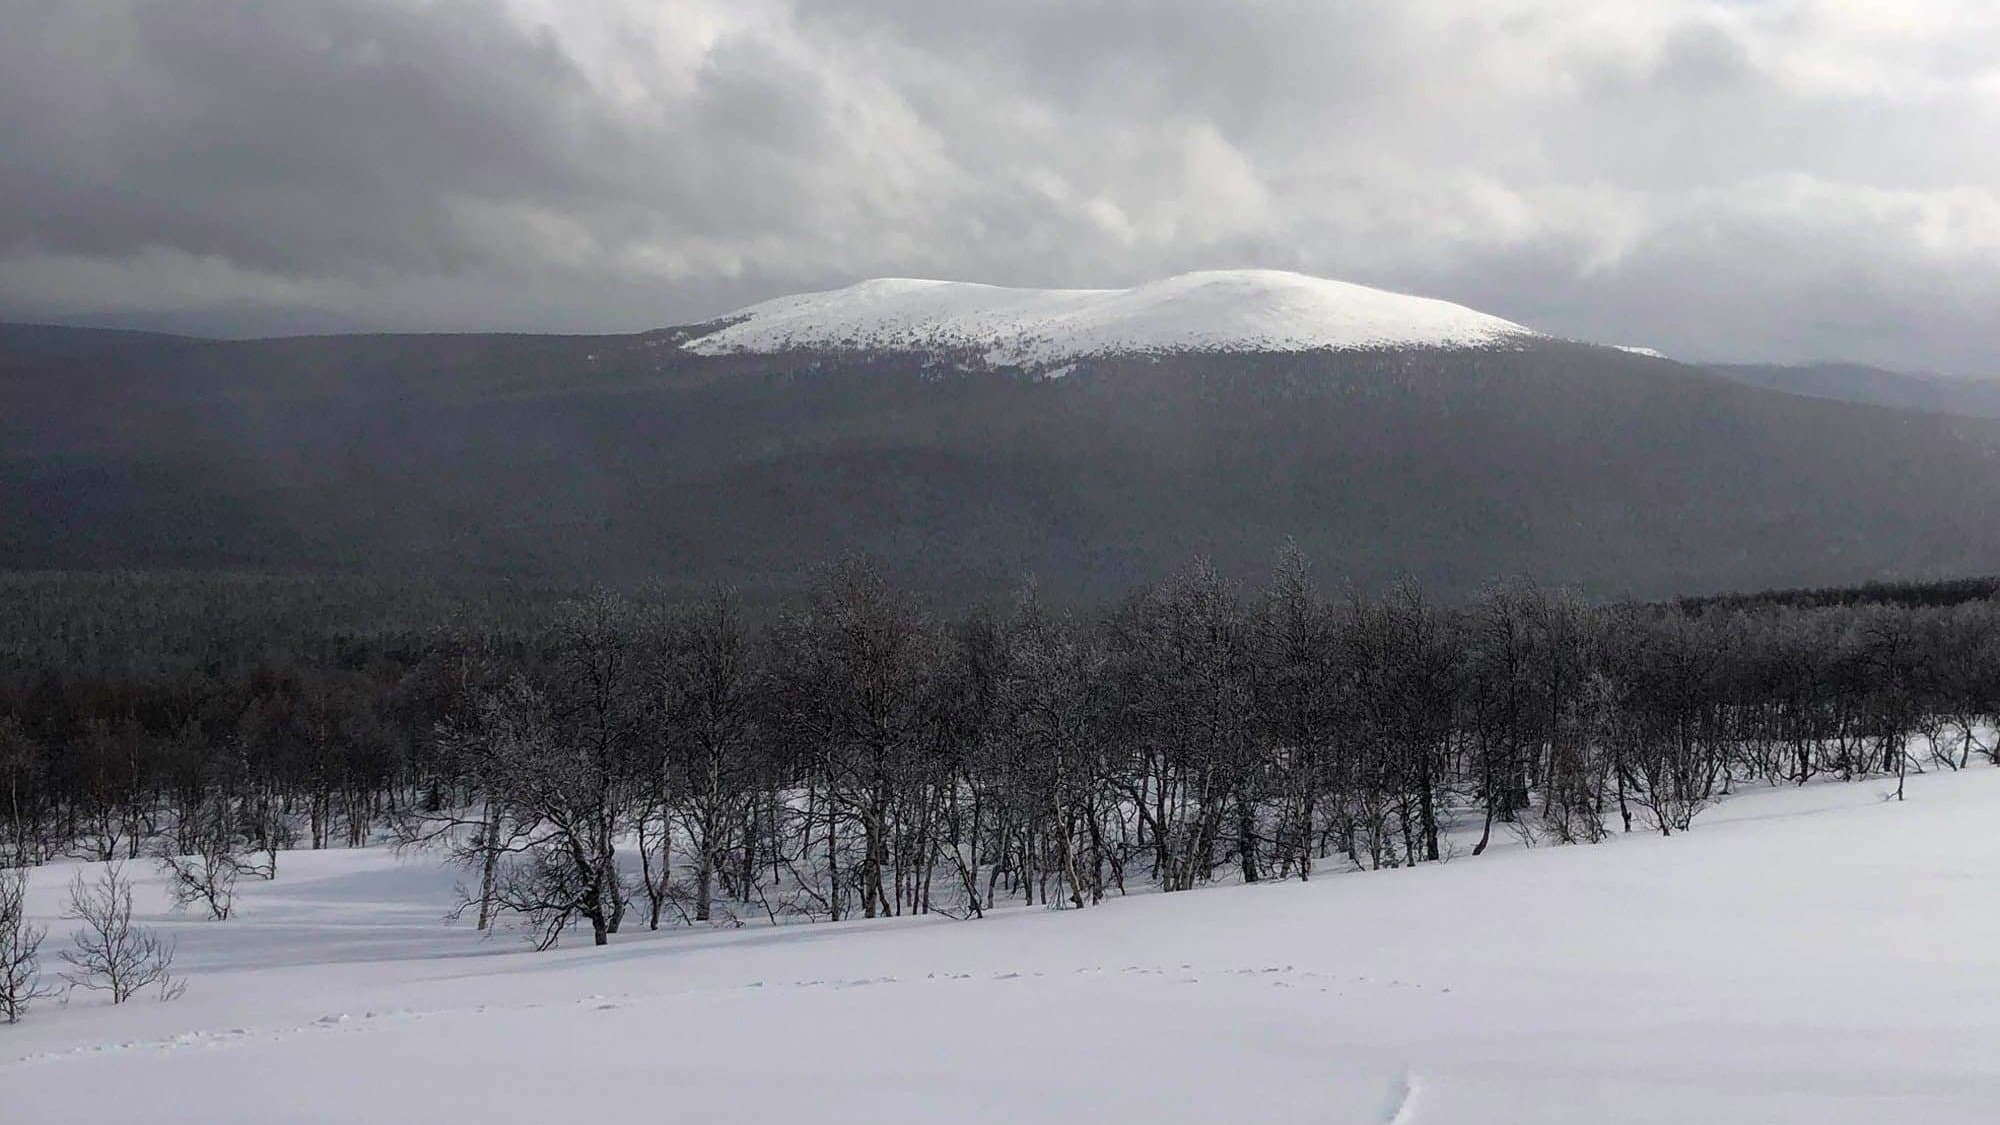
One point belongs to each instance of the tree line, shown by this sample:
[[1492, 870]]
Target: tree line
[[621, 759]]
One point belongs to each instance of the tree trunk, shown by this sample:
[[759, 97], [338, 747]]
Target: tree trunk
[[489, 866]]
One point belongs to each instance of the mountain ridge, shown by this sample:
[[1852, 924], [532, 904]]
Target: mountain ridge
[[1873, 386]]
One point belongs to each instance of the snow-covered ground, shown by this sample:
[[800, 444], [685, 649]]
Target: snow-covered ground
[[1814, 956], [1217, 310]]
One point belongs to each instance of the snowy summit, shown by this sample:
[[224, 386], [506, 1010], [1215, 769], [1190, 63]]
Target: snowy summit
[[1216, 311]]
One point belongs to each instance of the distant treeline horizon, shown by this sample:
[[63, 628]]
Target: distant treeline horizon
[[366, 601], [1937, 592]]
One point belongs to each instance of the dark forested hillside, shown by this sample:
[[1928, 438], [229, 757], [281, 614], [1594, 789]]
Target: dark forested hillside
[[565, 460], [1854, 382]]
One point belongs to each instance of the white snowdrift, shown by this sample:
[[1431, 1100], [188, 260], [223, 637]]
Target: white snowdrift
[[1803, 956], [1221, 310]]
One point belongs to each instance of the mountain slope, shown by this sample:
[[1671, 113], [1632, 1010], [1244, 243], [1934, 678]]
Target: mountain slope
[[1853, 382], [625, 458], [1214, 311]]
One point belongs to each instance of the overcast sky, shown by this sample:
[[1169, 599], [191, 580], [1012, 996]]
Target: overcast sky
[[1788, 179]]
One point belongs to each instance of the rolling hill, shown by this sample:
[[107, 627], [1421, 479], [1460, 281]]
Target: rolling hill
[[970, 436], [1854, 382]]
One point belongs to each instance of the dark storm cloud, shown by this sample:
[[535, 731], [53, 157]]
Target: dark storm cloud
[[286, 139], [1778, 179]]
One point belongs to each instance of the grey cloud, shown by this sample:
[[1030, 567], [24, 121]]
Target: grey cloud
[[1781, 179]]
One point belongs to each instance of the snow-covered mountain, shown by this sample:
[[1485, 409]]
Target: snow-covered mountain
[[622, 458], [1210, 311]]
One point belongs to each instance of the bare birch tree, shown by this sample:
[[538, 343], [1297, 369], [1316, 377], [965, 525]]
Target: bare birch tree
[[107, 952], [20, 948]]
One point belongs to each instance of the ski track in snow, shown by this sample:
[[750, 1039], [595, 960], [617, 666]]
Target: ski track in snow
[[1403, 1110], [1276, 976]]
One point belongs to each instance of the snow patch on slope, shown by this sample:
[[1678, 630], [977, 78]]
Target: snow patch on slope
[[1212, 311]]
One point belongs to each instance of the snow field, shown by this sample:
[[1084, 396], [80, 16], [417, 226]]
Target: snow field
[[1803, 955]]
